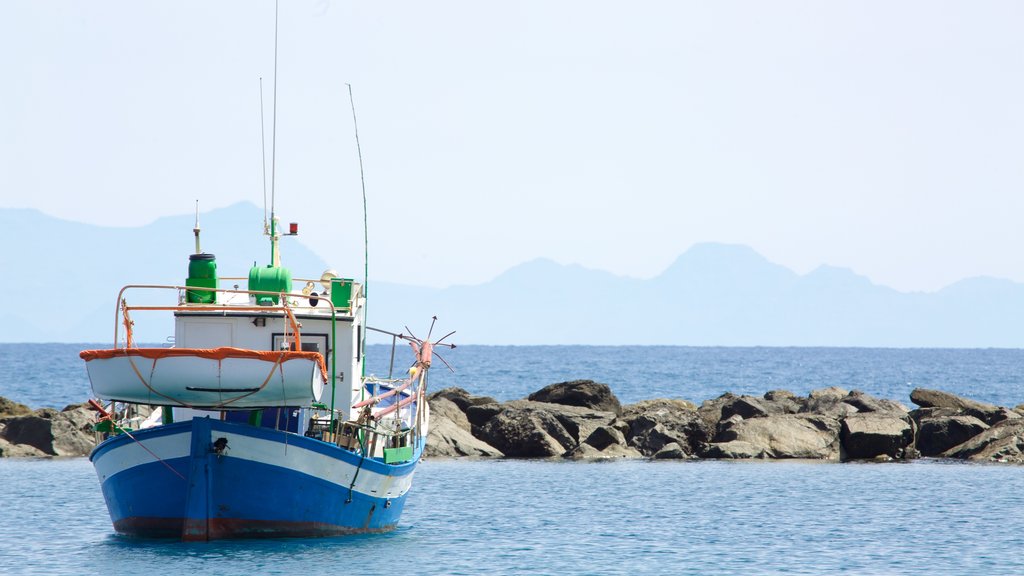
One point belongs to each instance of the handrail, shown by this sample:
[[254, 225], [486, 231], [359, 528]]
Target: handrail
[[283, 307], [213, 307]]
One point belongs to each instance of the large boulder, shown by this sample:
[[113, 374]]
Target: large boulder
[[735, 450], [987, 413], [527, 432], [579, 422], [611, 452], [828, 402], [460, 398], [8, 450], [654, 424], [441, 407], [582, 393], [604, 436], [786, 401], [1003, 442], [779, 436], [671, 451], [875, 434], [940, 433], [67, 433], [447, 439], [480, 414], [710, 411], [11, 408], [864, 402], [749, 407]]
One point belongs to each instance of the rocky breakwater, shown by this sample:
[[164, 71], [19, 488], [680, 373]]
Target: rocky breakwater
[[46, 431], [584, 420]]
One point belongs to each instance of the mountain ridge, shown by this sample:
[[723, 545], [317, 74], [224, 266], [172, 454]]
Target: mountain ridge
[[711, 294]]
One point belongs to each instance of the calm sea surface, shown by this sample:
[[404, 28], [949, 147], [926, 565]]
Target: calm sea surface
[[636, 517]]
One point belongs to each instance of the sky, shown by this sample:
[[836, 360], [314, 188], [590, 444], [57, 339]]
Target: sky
[[885, 137]]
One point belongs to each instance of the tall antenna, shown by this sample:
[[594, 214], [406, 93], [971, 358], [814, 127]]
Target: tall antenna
[[366, 234], [275, 256], [362, 181], [263, 149], [273, 145]]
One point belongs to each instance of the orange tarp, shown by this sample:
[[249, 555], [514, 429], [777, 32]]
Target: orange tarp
[[208, 353]]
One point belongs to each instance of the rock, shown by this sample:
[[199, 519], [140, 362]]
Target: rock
[[919, 414], [940, 433], [31, 430], [734, 449], [779, 436], [67, 433], [12, 408], [727, 423], [868, 403], [987, 413], [711, 410], [1003, 442], [605, 436], [827, 404], [442, 407], [461, 398], [748, 407], [874, 434], [480, 414], [653, 424], [577, 421], [449, 439], [671, 451], [660, 405], [612, 452], [583, 393], [73, 431], [527, 432], [831, 392], [786, 401], [8, 450]]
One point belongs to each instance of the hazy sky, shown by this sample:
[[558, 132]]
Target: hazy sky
[[887, 137]]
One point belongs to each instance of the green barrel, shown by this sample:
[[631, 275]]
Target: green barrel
[[269, 279], [341, 292], [202, 273]]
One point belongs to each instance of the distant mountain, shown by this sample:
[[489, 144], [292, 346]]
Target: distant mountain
[[61, 278], [714, 294], [61, 281]]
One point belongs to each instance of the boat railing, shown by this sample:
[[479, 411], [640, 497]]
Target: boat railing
[[123, 310], [121, 314]]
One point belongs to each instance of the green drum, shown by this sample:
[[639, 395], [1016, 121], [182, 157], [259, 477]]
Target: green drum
[[202, 273], [269, 279]]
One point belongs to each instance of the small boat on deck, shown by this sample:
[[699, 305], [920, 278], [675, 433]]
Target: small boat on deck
[[258, 422]]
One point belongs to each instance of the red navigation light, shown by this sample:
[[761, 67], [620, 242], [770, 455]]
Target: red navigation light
[[293, 228]]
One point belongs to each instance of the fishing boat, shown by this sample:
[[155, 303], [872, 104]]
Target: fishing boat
[[258, 421]]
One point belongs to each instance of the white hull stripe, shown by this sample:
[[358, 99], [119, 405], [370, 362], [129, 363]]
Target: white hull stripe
[[268, 452], [315, 464], [132, 454]]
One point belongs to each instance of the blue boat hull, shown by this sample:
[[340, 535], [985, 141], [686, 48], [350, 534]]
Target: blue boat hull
[[206, 479]]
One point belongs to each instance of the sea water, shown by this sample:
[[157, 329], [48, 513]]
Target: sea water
[[552, 517]]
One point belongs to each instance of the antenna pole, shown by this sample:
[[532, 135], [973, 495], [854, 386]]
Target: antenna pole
[[263, 150], [275, 258], [366, 234], [196, 229]]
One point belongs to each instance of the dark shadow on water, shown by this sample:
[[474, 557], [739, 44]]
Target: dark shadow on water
[[269, 550]]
